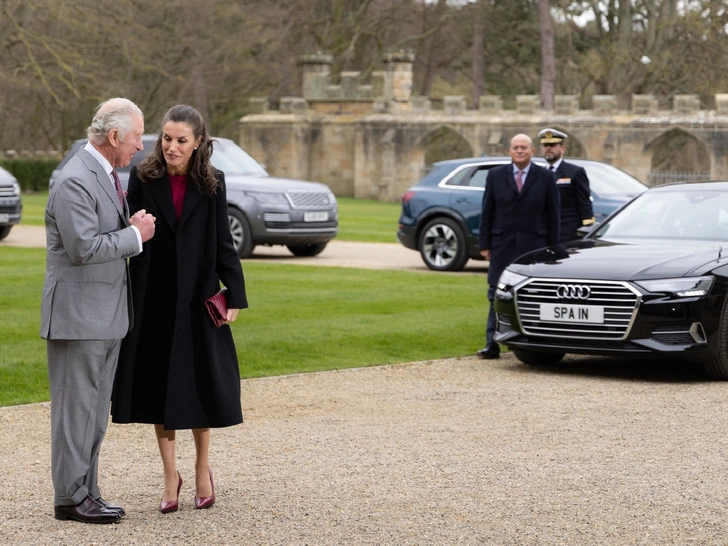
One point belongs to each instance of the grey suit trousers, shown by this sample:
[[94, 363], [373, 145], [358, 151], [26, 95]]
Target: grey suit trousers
[[81, 375]]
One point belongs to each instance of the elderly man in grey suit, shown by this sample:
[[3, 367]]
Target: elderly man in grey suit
[[85, 310]]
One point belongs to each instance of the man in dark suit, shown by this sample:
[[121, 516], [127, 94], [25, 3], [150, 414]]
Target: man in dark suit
[[573, 184], [520, 213], [85, 310]]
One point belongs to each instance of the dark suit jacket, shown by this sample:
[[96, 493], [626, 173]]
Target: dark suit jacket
[[576, 205], [513, 223]]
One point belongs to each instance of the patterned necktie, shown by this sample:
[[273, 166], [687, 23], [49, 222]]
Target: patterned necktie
[[119, 192], [519, 180]]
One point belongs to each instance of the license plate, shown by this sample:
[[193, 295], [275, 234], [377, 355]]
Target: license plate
[[572, 313], [4, 218], [315, 216]]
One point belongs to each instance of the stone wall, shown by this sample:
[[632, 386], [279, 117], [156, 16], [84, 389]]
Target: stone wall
[[374, 140]]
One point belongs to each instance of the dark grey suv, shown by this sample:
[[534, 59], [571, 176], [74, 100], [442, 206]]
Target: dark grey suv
[[11, 205], [263, 210]]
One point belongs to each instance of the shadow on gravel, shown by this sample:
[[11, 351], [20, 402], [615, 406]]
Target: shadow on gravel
[[647, 369]]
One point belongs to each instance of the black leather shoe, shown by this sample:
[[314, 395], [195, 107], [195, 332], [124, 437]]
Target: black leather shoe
[[490, 351], [111, 507], [87, 511]]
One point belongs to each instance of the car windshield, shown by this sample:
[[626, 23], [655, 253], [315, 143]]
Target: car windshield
[[232, 159], [606, 179], [676, 214]]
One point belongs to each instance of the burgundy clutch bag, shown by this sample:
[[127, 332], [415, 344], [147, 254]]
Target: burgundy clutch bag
[[217, 307]]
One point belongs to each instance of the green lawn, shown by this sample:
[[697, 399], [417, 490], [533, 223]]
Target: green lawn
[[301, 319], [33, 208], [360, 220], [364, 220]]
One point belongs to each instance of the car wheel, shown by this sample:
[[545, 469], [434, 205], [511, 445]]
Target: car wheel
[[533, 358], [717, 368], [242, 236], [442, 245], [4, 231], [307, 250]]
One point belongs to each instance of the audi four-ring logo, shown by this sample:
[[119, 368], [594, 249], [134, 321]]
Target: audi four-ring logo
[[573, 292]]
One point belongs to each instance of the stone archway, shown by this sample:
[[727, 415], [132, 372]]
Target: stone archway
[[444, 143], [678, 155]]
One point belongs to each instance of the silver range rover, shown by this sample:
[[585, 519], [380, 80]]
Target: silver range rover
[[11, 205], [263, 210]]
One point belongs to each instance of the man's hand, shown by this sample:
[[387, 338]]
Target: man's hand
[[485, 254], [144, 223]]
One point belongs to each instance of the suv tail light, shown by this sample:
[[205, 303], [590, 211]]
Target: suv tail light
[[407, 196]]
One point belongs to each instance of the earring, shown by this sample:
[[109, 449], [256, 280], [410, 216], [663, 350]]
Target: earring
[[195, 147]]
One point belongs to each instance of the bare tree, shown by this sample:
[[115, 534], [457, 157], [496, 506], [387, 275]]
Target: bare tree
[[478, 54], [548, 61]]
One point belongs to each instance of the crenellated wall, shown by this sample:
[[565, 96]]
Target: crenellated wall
[[374, 140]]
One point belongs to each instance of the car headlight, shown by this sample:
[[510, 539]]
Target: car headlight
[[268, 197], [509, 279], [685, 287], [16, 188]]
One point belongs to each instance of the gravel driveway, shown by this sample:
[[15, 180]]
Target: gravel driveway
[[460, 451]]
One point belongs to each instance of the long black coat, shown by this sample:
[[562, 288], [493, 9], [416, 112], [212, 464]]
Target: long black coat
[[576, 204], [175, 367], [513, 223]]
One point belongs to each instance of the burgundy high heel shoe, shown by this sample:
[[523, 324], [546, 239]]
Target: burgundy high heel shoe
[[206, 502], [172, 506]]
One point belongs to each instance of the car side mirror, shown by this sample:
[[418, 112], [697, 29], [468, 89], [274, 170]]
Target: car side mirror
[[583, 231]]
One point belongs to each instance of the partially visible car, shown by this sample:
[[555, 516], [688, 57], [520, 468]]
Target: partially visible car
[[651, 280], [11, 205], [441, 213], [262, 210]]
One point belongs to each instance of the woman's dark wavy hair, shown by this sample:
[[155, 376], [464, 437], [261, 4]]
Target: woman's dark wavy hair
[[201, 172]]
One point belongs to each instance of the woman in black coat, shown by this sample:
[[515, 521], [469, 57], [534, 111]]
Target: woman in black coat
[[176, 370]]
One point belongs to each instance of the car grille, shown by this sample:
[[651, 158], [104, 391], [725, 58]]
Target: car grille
[[7, 192], [619, 300], [10, 209], [309, 199], [277, 217]]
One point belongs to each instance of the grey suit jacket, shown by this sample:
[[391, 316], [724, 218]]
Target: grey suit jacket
[[88, 239]]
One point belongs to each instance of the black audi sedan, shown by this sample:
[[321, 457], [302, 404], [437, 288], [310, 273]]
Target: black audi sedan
[[652, 279]]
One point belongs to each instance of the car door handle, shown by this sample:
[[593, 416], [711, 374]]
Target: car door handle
[[464, 200]]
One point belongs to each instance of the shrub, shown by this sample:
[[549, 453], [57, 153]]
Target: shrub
[[32, 174]]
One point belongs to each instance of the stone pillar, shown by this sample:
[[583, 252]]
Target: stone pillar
[[686, 105], [454, 104], [566, 104], [490, 104], [389, 165], [316, 74], [258, 105], [644, 105], [398, 66], [721, 104], [605, 104], [528, 104]]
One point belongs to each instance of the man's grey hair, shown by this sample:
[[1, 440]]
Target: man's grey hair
[[116, 113]]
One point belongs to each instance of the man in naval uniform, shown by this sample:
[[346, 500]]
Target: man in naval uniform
[[573, 184]]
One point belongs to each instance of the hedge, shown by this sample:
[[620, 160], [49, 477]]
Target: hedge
[[32, 174]]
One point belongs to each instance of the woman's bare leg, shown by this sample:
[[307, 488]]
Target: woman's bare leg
[[165, 441], [202, 462]]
